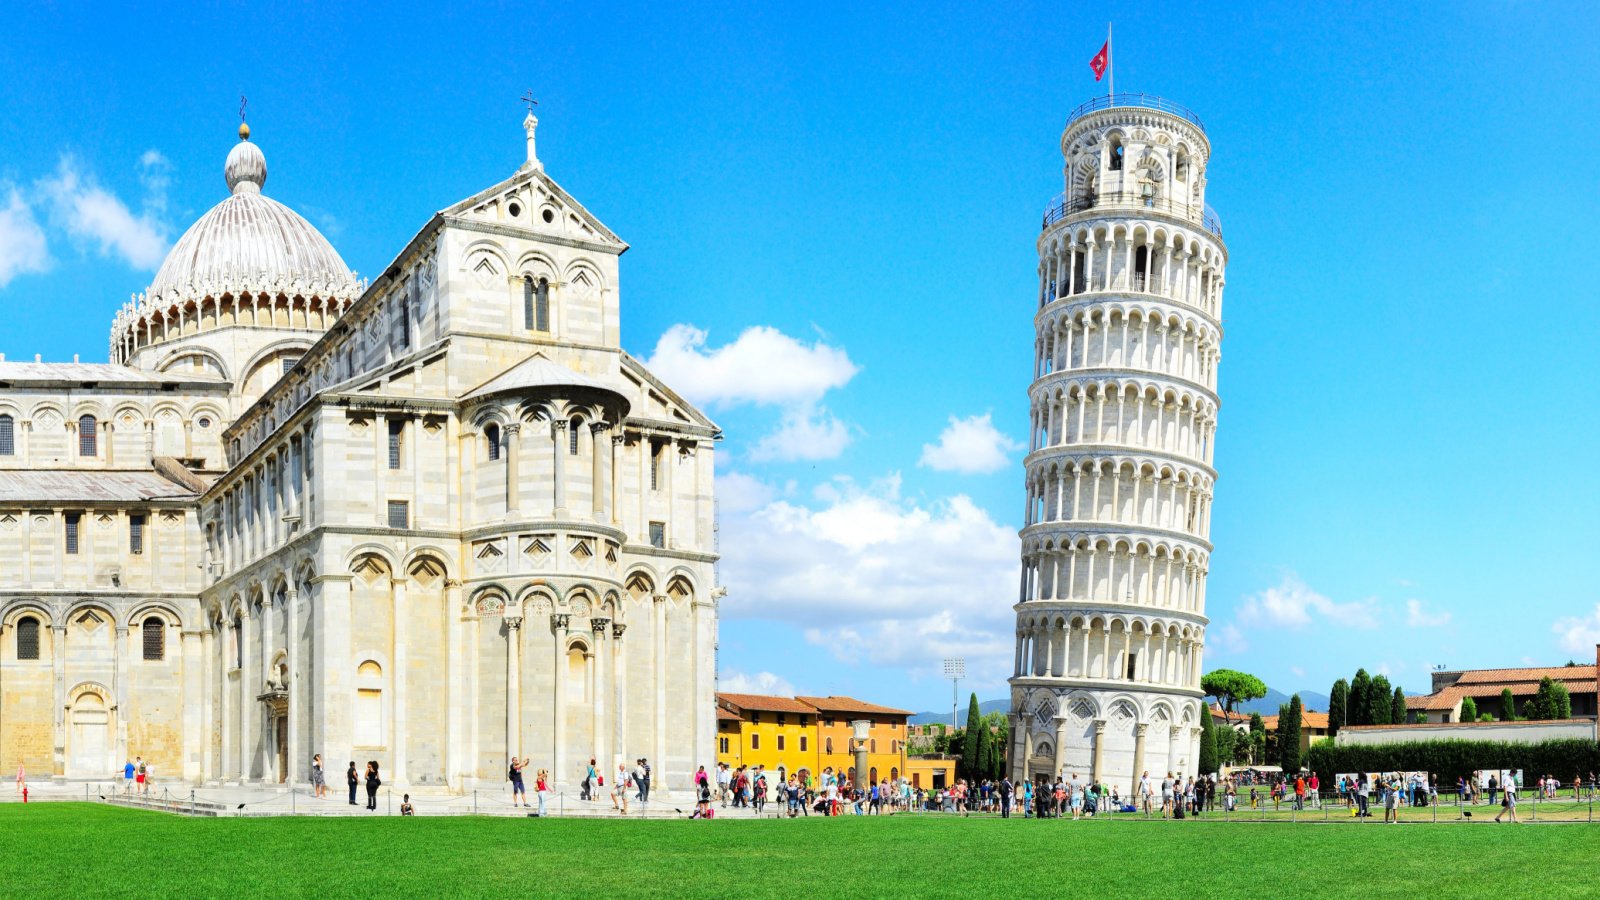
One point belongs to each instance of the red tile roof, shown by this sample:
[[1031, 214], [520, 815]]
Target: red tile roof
[[852, 705], [1564, 674], [764, 703], [1308, 719]]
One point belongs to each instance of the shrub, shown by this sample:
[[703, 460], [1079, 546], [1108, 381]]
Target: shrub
[[1448, 760]]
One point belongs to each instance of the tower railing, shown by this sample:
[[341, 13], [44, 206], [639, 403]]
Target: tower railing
[[1062, 206], [1140, 100]]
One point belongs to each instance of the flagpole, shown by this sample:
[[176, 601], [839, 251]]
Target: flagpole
[[1111, 71]]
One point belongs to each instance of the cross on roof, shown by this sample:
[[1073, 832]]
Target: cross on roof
[[527, 97], [242, 102]]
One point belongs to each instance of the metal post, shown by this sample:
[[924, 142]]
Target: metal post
[[291, 801], [191, 801], [390, 794], [474, 801]]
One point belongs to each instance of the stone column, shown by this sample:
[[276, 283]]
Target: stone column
[[1099, 749], [1138, 751], [513, 686], [600, 627], [513, 464], [400, 735], [458, 696], [299, 760], [558, 431], [119, 690], [1061, 744], [1019, 767], [598, 447], [58, 662], [619, 683], [617, 442], [658, 640], [333, 720], [558, 765]]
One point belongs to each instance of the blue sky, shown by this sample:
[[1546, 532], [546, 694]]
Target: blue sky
[[1408, 424]]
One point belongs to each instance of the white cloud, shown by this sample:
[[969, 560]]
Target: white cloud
[[1418, 616], [763, 366], [1298, 672], [1578, 634], [1291, 605], [876, 578], [759, 683], [1227, 640], [970, 446], [741, 493], [87, 211], [23, 247], [155, 173], [804, 434]]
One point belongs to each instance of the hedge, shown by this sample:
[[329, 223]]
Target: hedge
[[1449, 760]]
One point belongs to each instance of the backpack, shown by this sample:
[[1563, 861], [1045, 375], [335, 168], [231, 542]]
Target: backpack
[[511, 773]]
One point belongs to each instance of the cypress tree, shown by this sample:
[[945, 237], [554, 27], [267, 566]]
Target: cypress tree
[[1469, 709], [1289, 736], [1379, 701], [1397, 709], [1508, 706], [972, 742], [1356, 709], [1337, 698], [1208, 744]]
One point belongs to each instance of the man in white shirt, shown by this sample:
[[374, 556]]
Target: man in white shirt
[[1144, 791], [724, 778]]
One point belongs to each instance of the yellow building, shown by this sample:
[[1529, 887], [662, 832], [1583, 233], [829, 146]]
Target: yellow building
[[886, 739], [776, 733]]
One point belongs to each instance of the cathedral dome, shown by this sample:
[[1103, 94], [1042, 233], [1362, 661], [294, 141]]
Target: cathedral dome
[[249, 242]]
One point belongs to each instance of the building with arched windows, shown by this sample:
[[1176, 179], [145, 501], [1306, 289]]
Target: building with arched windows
[[1111, 613], [439, 519]]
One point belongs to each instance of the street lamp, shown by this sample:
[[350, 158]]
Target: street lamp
[[955, 669]]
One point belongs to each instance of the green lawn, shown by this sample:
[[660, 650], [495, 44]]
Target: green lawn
[[75, 850]]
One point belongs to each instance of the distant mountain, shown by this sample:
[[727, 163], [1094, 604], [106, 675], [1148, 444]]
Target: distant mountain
[[1267, 706], [943, 718]]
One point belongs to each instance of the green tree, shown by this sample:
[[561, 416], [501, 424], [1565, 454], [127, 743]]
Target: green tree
[[1289, 736], [1397, 709], [1258, 747], [999, 729], [972, 743], [1231, 688], [1469, 710], [1378, 701], [1563, 708], [1356, 708], [1338, 698], [1550, 701], [1508, 706], [1208, 744]]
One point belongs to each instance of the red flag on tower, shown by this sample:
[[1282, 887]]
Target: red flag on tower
[[1098, 64]]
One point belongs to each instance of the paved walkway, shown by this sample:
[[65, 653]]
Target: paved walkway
[[276, 800]]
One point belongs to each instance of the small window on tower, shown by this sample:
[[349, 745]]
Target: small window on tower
[[1133, 665], [572, 436], [136, 533], [155, 639], [1116, 154], [397, 430], [8, 445], [658, 535], [399, 514], [491, 437]]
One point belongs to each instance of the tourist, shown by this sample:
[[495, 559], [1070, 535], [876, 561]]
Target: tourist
[[1145, 792], [701, 779], [138, 773], [319, 782], [702, 793], [1006, 790], [354, 781], [127, 777], [1494, 786], [149, 776], [1391, 800], [405, 806], [373, 783], [644, 796], [519, 791], [1508, 800], [724, 778], [1314, 786], [619, 790], [1166, 796], [638, 779], [589, 775], [1299, 793], [541, 790]]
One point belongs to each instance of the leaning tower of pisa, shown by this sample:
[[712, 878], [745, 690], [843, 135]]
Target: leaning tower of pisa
[[1111, 614]]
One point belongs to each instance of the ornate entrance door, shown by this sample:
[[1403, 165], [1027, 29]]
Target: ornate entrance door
[[281, 738]]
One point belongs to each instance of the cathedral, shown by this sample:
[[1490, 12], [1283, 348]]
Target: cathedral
[[439, 519]]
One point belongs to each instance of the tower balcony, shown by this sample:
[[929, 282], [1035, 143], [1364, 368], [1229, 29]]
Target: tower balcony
[[1062, 206], [1136, 100]]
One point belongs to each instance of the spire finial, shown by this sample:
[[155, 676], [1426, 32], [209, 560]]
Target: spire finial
[[244, 128], [530, 124]]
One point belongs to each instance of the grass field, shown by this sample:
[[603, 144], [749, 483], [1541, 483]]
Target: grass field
[[76, 850]]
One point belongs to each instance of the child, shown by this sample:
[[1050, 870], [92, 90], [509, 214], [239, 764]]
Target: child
[[405, 806]]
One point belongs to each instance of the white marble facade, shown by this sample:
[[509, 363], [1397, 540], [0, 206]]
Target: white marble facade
[[435, 520], [1111, 614]]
